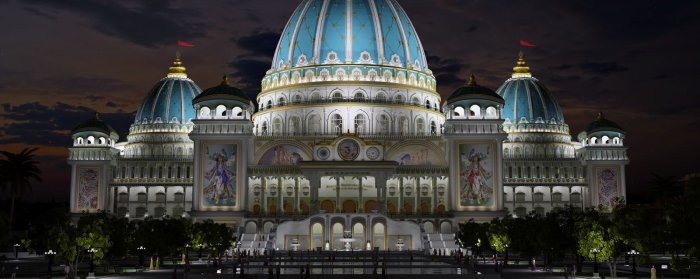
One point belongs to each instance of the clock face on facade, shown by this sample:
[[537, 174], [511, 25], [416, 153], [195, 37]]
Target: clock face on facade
[[323, 153], [348, 149], [372, 153]]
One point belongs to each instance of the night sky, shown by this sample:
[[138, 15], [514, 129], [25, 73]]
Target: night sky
[[637, 61]]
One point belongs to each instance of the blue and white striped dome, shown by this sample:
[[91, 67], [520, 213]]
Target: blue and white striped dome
[[170, 100], [527, 100], [349, 32]]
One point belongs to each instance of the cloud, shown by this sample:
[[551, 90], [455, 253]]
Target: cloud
[[39, 124], [446, 71], [94, 98], [249, 72], [602, 68], [259, 43], [149, 23]]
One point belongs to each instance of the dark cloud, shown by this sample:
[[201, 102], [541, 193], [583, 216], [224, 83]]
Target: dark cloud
[[38, 124], [259, 43], [148, 23], [603, 68], [249, 72], [40, 13], [446, 71], [94, 98], [471, 28]]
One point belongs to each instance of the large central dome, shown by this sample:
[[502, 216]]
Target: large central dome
[[349, 32]]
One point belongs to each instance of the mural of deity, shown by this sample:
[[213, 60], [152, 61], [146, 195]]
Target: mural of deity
[[607, 187], [88, 187], [220, 176], [281, 155], [476, 171]]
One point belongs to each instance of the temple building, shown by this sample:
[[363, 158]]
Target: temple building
[[347, 138]]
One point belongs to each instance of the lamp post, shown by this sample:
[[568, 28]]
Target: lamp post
[[50, 254], [633, 253], [200, 250], [16, 246], [141, 249], [595, 252], [505, 260], [92, 260]]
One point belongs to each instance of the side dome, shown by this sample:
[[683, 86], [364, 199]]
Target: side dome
[[527, 100], [223, 91], [472, 90], [349, 32], [170, 99], [601, 124], [96, 129]]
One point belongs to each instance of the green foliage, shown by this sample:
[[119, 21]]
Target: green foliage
[[498, 234], [474, 235], [218, 237], [593, 236]]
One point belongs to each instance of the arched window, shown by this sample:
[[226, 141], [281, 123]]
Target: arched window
[[90, 140], [403, 125], [491, 112], [359, 97], [384, 124], [204, 112], [277, 126], [315, 97], [399, 99], [415, 101], [360, 124], [433, 128], [520, 197], [314, 124], [381, 97], [80, 140], [427, 104], [237, 112], [539, 197], [220, 111], [605, 139], [336, 124], [594, 140], [297, 99], [294, 125], [420, 126], [102, 140], [269, 104], [281, 101], [475, 111], [458, 111], [263, 130], [616, 140], [337, 97]]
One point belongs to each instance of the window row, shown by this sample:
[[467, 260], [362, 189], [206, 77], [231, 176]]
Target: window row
[[91, 140], [335, 124], [153, 172], [341, 74], [221, 112], [358, 96], [542, 172], [475, 111]]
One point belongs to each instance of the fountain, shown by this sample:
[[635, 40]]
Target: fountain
[[348, 240], [295, 244], [400, 244]]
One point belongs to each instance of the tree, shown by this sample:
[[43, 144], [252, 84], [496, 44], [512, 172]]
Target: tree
[[218, 237], [498, 234], [472, 234], [17, 171]]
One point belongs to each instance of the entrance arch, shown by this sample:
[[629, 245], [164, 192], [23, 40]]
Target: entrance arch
[[371, 205], [328, 206], [379, 235], [349, 206], [337, 231], [316, 235], [358, 233]]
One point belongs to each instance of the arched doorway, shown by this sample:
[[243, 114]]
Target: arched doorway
[[337, 230], [408, 208], [441, 209], [371, 205], [358, 233], [349, 206], [251, 227], [328, 206], [316, 235], [379, 235], [256, 209], [445, 227], [429, 227], [267, 227]]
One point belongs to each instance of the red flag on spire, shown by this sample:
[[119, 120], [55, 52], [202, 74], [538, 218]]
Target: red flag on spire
[[184, 44], [526, 43]]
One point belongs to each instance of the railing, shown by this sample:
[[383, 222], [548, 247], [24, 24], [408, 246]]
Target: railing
[[348, 100]]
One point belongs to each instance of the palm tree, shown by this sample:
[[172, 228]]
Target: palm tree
[[17, 170]]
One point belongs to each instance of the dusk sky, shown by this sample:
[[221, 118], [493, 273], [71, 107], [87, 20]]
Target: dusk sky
[[637, 61]]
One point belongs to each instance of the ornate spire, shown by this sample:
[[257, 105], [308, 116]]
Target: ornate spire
[[521, 69], [225, 81], [472, 80], [177, 69]]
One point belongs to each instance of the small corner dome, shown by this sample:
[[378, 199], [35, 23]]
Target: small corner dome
[[603, 125], [96, 125], [223, 91], [473, 91]]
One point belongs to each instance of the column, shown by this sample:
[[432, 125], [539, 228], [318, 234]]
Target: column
[[263, 185], [297, 204], [360, 205], [435, 194], [337, 194], [399, 206], [280, 196], [314, 184], [380, 181], [417, 190]]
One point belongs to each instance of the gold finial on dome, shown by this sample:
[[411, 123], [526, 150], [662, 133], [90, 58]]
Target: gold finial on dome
[[177, 69], [521, 69], [225, 81], [599, 116], [472, 80]]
